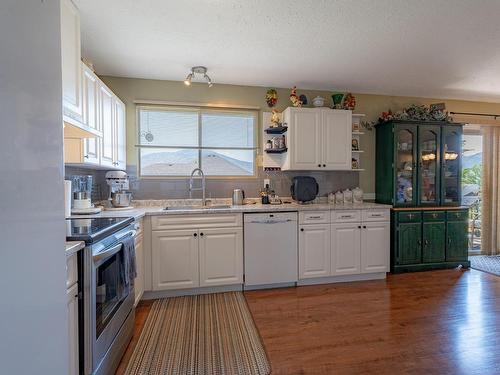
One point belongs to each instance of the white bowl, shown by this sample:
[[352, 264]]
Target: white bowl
[[318, 101]]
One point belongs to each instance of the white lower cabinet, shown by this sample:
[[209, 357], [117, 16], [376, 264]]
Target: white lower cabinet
[[375, 242], [221, 256], [314, 250], [198, 257], [139, 258], [349, 245], [345, 249], [72, 311], [175, 259]]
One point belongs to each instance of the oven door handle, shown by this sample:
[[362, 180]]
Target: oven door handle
[[112, 250]]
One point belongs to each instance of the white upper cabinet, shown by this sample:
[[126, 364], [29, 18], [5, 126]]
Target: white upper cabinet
[[106, 106], [120, 134], [90, 115], [337, 139], [304, 139], [318, 139], [70, 56]]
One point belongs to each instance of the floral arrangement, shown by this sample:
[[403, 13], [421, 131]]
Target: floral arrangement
[[413, 113], [271, 97], [296, 102], [275, 118]]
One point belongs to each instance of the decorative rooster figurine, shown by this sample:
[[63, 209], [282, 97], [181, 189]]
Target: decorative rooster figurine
[[294, 98]]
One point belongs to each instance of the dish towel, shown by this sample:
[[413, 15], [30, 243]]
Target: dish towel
[[129, 263]]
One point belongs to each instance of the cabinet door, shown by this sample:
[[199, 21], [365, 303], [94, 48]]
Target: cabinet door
[[107, 126], [221, 256], [451, 165], [337, 139], [90, 115], [405, 165], [70, 61], [456, 241], [120, 135], [314, 251], [345, 249], [72, 311], [305, 148], [433, 250], [375, 247], [409, 250], [429, 155], [175, 259], [139, 259]]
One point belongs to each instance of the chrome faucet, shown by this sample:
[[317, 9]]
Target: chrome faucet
[[202, 188]]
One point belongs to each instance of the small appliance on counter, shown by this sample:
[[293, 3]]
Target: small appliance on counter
[[238, 197], [304, 188], [82, 196], [119, 198]]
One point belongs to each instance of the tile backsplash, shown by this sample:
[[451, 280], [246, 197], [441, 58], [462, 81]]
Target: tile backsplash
[[223, 188], [215, 188]]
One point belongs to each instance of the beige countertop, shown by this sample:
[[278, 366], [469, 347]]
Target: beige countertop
[[152, 208], [73, 246]]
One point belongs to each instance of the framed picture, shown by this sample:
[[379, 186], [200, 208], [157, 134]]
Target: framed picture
[[355, 126], [355, 144]]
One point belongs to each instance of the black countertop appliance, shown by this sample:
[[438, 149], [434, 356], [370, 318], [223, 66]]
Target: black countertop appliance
[[304, 188]]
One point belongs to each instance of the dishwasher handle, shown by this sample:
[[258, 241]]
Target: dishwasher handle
[[271, 221]]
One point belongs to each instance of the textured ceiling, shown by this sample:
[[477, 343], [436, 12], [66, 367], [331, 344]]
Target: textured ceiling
[[430, 48]]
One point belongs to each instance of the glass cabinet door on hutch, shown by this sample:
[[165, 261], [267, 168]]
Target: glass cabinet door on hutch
[[405, 162], [452, 149], [429, 158]]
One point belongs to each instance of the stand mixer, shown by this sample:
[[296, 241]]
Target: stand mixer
[[119, 197]]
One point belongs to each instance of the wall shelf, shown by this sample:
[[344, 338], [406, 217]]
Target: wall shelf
[[276, 130], [358, 133], [276, 150], [357, 151]]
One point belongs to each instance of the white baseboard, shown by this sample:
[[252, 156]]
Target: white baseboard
[[191, 292], [343, 279]]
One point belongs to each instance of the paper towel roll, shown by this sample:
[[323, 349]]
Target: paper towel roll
[[67, 198]]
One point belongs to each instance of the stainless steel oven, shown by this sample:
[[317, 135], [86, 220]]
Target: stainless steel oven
[[108, 303]]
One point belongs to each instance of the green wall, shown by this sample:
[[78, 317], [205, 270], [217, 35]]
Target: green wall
[[130, 89]]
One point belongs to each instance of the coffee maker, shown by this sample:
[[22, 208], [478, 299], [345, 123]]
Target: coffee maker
[[119, 196], [81, 187]]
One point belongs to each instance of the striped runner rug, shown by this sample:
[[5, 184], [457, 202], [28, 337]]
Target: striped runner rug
[[211, 334]]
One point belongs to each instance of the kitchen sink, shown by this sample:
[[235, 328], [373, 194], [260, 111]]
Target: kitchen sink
[[197, 207]]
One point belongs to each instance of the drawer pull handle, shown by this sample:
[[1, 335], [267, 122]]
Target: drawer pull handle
[[314, 217], [376, 215], [346, 216]]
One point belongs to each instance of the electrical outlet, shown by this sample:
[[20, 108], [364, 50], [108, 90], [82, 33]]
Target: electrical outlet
[[267, 181]]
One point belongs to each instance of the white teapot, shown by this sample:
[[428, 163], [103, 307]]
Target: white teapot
[[347, 196]]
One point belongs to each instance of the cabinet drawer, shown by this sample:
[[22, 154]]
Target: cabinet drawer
[[161, 222], [71, 270], [434, 216], [346, 216], [409, 217], [314, 217], [375, 215], [457, 215], [138, 225]]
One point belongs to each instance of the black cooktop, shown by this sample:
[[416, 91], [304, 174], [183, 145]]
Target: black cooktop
[[92, 230]]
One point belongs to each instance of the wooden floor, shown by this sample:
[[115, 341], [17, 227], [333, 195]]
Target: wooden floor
[[439, 322]]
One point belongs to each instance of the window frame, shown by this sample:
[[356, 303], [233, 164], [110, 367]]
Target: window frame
[[200, 110]]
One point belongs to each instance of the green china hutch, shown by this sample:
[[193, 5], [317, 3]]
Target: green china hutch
[[418, 172]]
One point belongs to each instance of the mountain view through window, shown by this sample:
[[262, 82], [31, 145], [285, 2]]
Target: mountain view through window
[[175, 141]]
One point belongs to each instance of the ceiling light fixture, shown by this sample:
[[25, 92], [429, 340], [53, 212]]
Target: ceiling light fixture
[[201, 70]]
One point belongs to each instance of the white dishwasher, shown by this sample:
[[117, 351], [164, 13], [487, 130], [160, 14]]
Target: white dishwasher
[[271, 253]]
